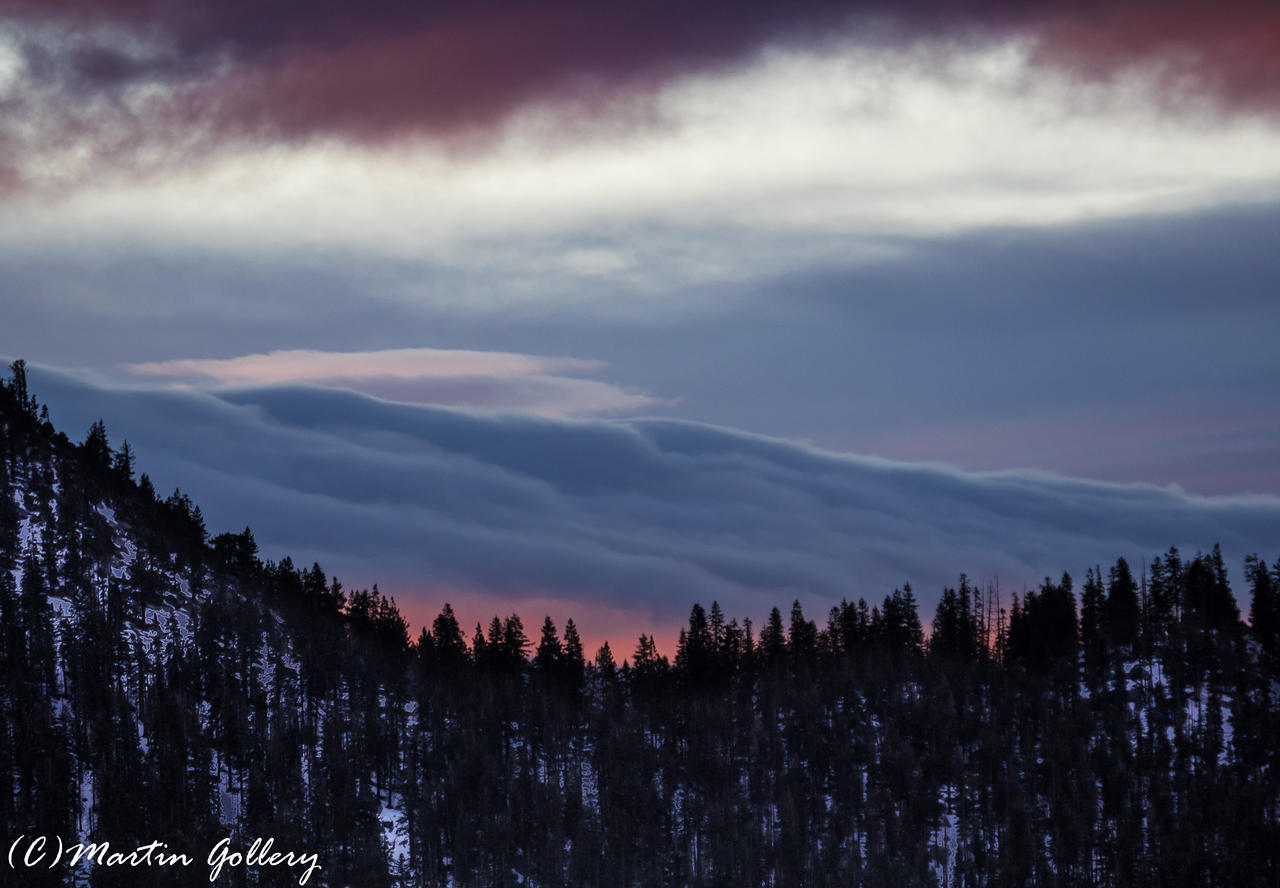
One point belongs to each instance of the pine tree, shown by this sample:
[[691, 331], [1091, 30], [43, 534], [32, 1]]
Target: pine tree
[[514, 643], [450, 647], [124, 462], [1122, 615], [802, 639], [773, 643], [574, 658], [605, 665], [1264, 608], [1093, 624], [97, 450], [547, 658]]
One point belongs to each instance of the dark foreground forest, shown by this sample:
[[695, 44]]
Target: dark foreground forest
[[157, 684]]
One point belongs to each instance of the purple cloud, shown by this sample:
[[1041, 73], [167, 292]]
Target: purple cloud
[[162, 83]]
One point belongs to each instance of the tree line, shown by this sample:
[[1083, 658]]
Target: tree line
[[157, 682]]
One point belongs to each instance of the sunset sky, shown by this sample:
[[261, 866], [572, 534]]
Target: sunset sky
[[599, 309]]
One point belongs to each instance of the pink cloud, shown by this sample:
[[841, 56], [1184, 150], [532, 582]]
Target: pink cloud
[[309, 365], [449, 377]]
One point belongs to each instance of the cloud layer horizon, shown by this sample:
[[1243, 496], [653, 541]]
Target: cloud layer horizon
[[638, 518]]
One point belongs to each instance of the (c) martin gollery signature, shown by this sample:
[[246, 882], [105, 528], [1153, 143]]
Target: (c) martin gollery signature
[[48, 852]]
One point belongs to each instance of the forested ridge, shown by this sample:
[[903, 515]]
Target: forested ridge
[[160, 683]]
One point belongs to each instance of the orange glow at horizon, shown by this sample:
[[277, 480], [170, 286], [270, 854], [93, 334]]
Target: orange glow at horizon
[[596, 622]]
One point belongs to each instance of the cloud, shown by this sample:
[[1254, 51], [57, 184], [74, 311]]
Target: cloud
[[309, 365], [1220, 52], [136, 86], [644, 516], [796, 160], [1118, 351], [457, 377]]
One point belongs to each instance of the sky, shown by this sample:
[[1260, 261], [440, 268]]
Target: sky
[[598, 309]]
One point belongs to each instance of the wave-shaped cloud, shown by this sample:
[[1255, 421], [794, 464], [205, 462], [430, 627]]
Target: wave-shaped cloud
[[643, 516]]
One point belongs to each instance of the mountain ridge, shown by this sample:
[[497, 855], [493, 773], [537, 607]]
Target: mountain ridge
[[159, 685]]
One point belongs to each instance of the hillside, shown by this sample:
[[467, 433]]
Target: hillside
[[160, 684]]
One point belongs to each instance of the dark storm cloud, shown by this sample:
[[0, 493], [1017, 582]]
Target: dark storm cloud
[[372, 72], [367, 72], [640, 515]]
